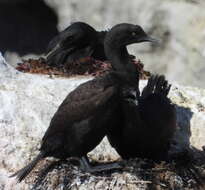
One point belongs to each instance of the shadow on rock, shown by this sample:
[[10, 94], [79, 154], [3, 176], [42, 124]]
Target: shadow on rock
[[26, 26]]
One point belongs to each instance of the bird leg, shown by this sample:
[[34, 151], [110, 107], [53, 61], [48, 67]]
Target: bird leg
[[87, 167]]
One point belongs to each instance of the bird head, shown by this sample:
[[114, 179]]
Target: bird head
[[78, 34], [125, 34]]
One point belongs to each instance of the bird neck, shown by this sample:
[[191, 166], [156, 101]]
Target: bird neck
[[125, 70], [118, 57]]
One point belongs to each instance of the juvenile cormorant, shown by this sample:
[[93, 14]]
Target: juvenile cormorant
[[77, 41], [147, 124], [81, 121]]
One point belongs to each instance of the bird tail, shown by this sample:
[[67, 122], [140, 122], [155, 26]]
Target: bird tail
[[22, 173]]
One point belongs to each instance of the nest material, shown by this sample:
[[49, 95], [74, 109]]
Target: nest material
[[136, 173], [84, 66]]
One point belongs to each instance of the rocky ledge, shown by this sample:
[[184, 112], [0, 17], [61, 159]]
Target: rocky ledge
[[27, 103]]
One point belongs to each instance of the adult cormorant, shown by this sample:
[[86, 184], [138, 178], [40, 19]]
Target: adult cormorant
[[81, 121], [77, 41], [147, 124]]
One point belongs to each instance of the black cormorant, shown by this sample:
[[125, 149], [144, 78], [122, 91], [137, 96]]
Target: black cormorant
[[147, 123], [77, 41], [81, 121]]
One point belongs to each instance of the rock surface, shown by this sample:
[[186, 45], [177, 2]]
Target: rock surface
[[27, 103]]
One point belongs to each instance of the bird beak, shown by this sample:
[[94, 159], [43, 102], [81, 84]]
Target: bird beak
[[149, 39]]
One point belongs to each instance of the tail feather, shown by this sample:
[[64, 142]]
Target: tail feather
[[156, 84], [22, 173], [150, 87], [162, 86]]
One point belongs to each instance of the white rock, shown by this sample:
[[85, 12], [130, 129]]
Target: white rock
[[28, 102]]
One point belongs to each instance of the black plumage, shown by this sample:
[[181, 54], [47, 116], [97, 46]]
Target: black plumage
[[142, 126], [148, 122], [77, 41], [81, 121]]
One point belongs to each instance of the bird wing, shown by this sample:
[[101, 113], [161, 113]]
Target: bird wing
[[80, 104], [86, 99], [60, 56], [79, 53]]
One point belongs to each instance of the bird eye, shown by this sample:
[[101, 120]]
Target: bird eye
[[134, 34]]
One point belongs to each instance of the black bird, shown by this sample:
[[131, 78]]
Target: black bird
[[148, 122], [81, 121], [77, 41]]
